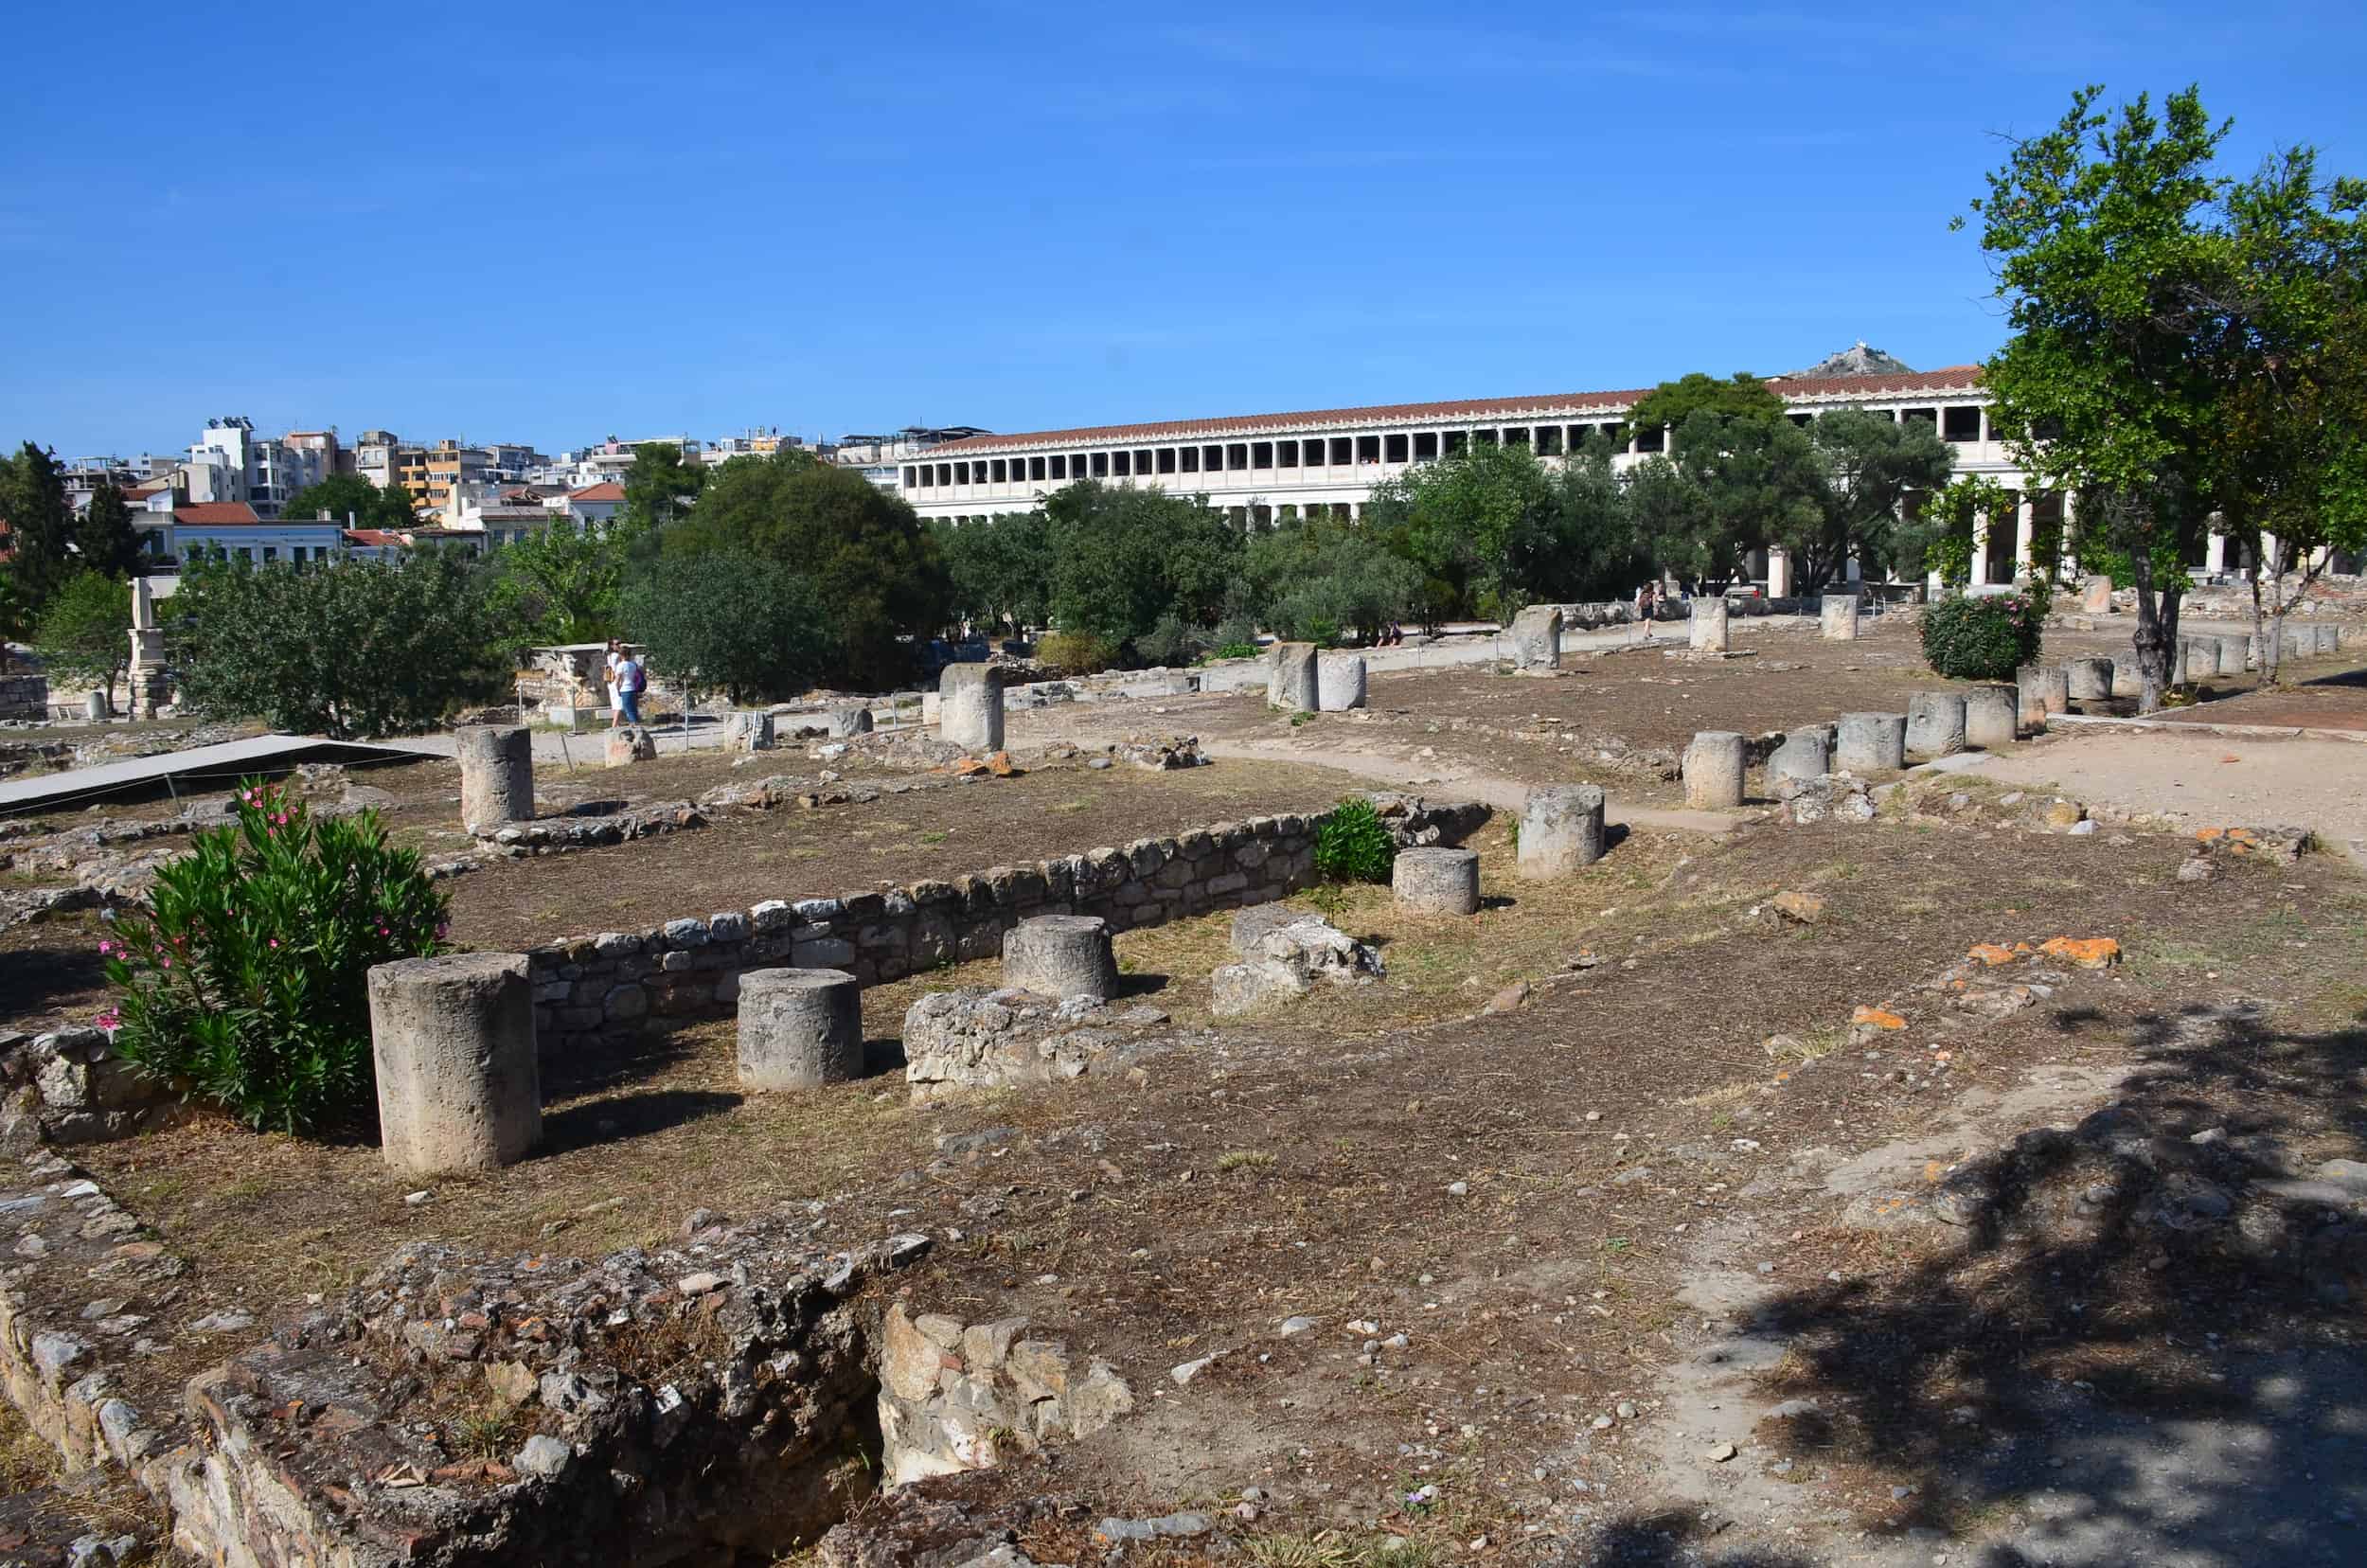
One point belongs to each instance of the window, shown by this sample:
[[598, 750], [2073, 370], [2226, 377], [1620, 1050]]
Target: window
[[1142, 460], [1960, 424], [1191, 459], [1212, 459], [1484, 438], [1034, 468], [1549, 441], [1167, 459], [1000, 471], [945, 474], [1101, 464], [1395, 449], [1616, 434], [1261, 455], [1059, 465], [1340, 452], [1286, 455], [1924, 416], [1368, 449], [1516, 435], [1458, 442], [1237, 457], [271, 552], [1077, 467], [1426, 446], [1122, 463], [912, 478], [1803, 421], [961, 473], [1654, 439]]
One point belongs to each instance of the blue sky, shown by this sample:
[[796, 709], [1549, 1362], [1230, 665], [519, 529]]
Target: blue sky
[[556, 223]]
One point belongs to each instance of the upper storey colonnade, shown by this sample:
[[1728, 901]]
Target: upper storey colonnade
[[1262, 468]]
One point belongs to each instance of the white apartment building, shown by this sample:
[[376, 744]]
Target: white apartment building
[[230, 464], [1263, 468]]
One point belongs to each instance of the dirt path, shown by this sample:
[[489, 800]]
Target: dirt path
[[2209, 779]]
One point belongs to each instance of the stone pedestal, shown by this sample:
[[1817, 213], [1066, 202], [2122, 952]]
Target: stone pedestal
[[850, 721], [969, 706], [1871, 742], [496, 775], [452, 1040], [1436, 881], [1807, 753], [2128, 675], [2096, 596], [1713, 771], [2197, 659], [748, 732], [1537, 638], [799, 1028], [2233, 654], [1562, 830], [1339, 682], [1706, 631], [2088, 679], [1837, 618], [1290, 681], [1936, 724], [95, 706], [1060, 956], [1992, 716], [151, 686]]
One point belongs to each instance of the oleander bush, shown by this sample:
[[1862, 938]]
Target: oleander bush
[[241, 979], [1986, 639]]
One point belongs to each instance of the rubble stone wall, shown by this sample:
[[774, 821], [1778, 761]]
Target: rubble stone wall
[[609, 986], [25, 697]]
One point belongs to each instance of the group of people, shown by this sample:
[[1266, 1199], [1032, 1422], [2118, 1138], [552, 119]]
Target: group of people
[[627, 681]]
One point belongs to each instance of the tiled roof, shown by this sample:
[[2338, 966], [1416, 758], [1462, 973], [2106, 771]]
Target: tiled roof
[[1954, 378], [372, 535], [213, 514], [608, 489]]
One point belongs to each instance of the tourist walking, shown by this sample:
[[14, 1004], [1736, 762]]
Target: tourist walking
[[631, 680], [615, 698]]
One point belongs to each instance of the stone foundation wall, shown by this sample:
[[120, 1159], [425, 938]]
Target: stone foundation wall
[[609, 986], [25, 698]]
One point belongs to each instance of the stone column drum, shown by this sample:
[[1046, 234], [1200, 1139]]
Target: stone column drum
[[1706, 632], [2045, 691], [1436, 881], [1806, 753], [452, 1040], [2197, 659], [1935, 723], [1562, 830], [969, 706], [1537, 638], [749, 730], [853, 719], [2088, 679], [1339, 682], [799, 1028], [1713, 771], [2128, 675], [1871, 742], [1837, 618], [2232, 652], [1061, 955], [496, 775], [1992, 716], [1290, 678]]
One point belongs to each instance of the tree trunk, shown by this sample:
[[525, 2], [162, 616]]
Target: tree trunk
[[2157, 633]]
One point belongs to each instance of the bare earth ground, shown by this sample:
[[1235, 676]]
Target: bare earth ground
[[1693, 1206]]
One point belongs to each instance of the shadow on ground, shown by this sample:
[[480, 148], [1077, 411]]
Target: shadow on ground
[[2143, 1349]]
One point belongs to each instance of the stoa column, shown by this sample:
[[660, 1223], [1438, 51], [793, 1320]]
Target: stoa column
[[451, 1038], [969, 706], [496, 775]]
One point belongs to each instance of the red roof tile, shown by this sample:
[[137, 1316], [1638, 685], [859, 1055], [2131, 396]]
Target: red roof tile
[[608, 489], [214, 514], [1954, 378], [371, 536]]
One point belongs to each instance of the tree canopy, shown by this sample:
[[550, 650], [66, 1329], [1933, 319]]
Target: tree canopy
[[999, 571], [560, 585], [104, 536], [1121, 558], [86, 629], [353, 502], [40, 525], [1740, 395], [874, 568], [751, 627], [659, 485]]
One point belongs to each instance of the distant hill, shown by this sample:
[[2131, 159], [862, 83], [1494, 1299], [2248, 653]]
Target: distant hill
[[1857, 359]]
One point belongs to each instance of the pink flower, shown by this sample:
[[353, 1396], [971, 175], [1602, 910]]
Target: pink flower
[[274, 941], [166, 961], [109, 1021], [105, 948]]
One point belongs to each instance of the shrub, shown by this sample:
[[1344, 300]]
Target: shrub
[[1353, 844], [1171, 642], [1076, 652], [751, 627], [1236, 651], [242, 975], [1984, 640]]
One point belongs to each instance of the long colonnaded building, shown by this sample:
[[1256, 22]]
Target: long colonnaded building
[[1260, 469]]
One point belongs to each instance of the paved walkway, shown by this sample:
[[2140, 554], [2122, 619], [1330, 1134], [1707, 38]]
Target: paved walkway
[[202, 768]]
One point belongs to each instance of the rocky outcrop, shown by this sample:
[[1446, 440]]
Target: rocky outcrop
[[69, 1087], [1284, 955], [957, 1397]]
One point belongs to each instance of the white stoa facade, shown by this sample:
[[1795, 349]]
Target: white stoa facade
[[1264, 467]]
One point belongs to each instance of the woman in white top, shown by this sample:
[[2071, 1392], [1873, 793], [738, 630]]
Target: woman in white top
[[615, 696]]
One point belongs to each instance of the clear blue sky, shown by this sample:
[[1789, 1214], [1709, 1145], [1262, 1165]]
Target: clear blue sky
[[555, 224]]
